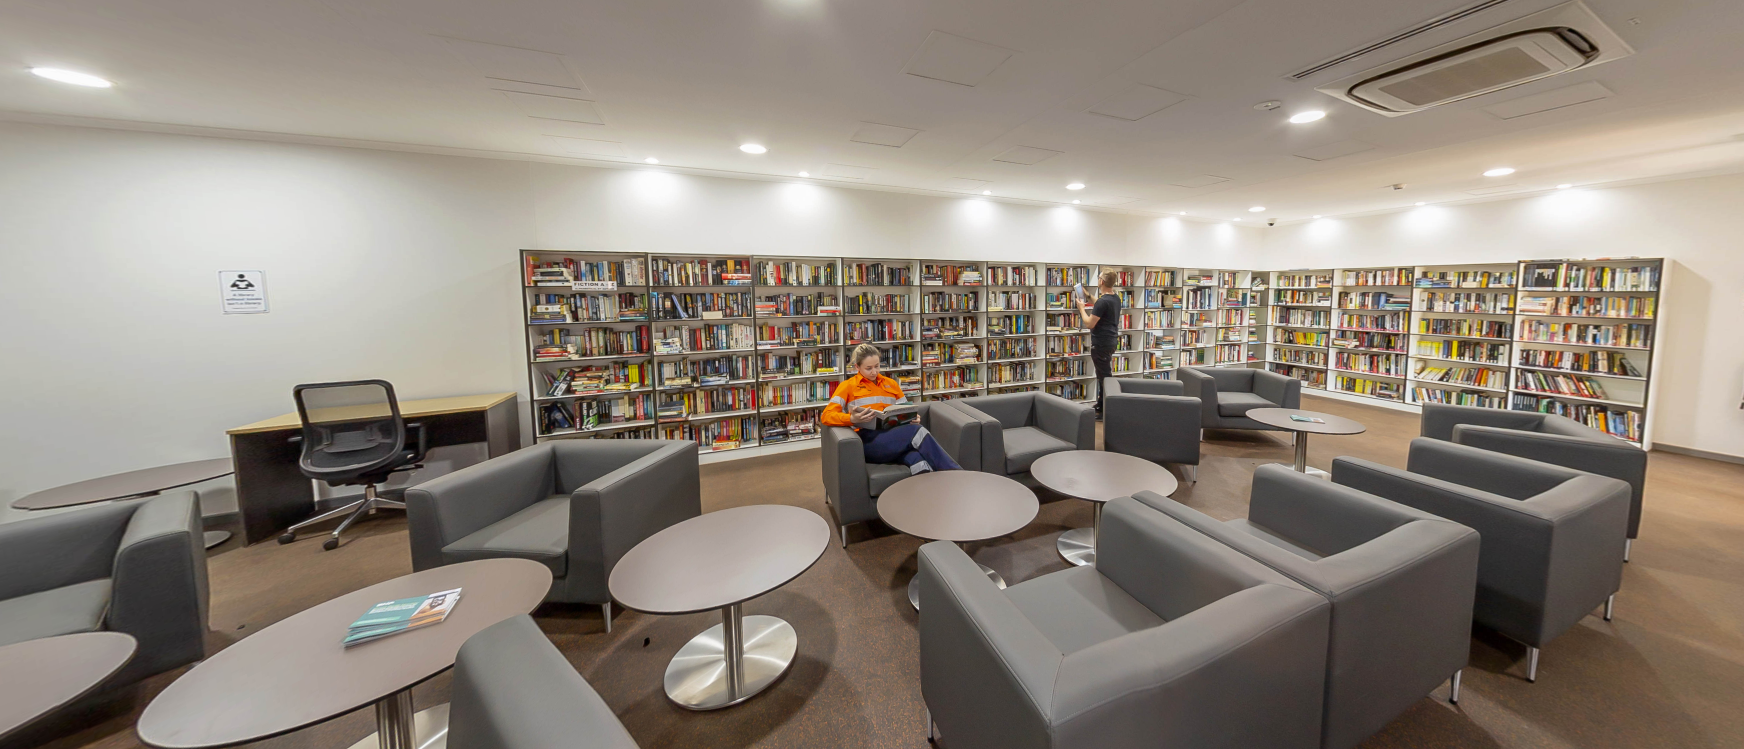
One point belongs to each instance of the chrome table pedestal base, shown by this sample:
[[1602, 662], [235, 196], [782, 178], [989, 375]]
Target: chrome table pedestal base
[[732, 661], [399, 728], [914, 584], [1078, 545]]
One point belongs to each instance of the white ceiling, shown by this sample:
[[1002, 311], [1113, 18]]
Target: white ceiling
[[822, 84]]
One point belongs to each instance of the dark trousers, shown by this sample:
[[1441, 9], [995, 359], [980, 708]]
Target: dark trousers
[[909, 444], [1102, 357]]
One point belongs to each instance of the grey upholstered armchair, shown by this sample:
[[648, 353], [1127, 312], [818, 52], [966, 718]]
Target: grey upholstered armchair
[[514, 690], [1401, 584], [1170, 639], [1152, 419], [1226, 394], [576, 506], [1551, 546], [1018, 428], [852, 486], [1546, 438], [136, 567]]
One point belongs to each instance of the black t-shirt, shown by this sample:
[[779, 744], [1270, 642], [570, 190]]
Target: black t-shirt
[[1107, 311]]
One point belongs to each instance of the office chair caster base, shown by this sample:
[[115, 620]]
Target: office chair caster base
[[287, 538], [330, 544]]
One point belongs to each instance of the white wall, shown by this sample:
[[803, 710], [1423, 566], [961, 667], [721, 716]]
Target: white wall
[[1697, 223], [378, 264]]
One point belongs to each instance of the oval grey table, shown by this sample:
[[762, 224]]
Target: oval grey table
[[1280, 418], [719, 561], [1097, 476], [957, 506], [297, 673], [39, 676], [141, 483]]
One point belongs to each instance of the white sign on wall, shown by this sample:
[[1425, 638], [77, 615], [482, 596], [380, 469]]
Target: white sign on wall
[[242, 291]]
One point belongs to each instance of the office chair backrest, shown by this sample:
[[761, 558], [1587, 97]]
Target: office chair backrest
[[349, 428]]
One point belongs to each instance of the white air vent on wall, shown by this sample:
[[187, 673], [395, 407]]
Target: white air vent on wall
[[1567, 37]]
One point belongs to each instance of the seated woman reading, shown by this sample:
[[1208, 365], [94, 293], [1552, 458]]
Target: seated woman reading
[[858, 402]]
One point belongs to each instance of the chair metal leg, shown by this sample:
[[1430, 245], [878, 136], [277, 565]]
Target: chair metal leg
[[932, 729], [364, 509], [844, 530], [1191, 472], [1626, 543], [325, 516], [1531, 663], [1454, 698], [606, 609], [1610, 601]]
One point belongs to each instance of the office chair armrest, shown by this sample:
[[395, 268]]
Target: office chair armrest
[[418, 452], [160, 594]]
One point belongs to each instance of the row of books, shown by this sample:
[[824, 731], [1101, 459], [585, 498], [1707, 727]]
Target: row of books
[[1162, 319], [1310, 377], [720, 434], [700, 272], [685, 403], [800, 333], [877, 274], [717, 337], [1201, 298], [566, 271], [811, 391], [1629, 335], [789, 425], [1638, 307], [1422, 394], [1595, 362], [1304, 281], [1372, 341], [1075, 391], [1302, 298], [1300, 337], [1004, 374], [945, 301], [868, 303], [1391, 322], [1068, 275], [1466, 279], [557, 344], [691, 305], [949, 275], [951, 379], [877, 330], [597, 378], [1010, 301], [799, 304], [795, 273], [1302, 356], [1578, 277], [561, 308], [822, 362], [1160, 277], [1301, 318], [1465, 327], [1628, 424], [1017, 348], [1161, 299], [949, 327], [1011, 275], [1004, 325], [1555, 382], [1472, 351], [1385, 389], [1468, 301], [1475, 376], [1154, 360], [1384, 277], [1373, 300], [1072, 346], [1061, 368], [719, 370], [583, 415], [1231, 354], [1381, 364]]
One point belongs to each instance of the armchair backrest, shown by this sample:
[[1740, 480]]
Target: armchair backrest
[[1142, 386], [1325, 517], [66, 548], [1438, 419], [454, 505], [514, 690], [1229, 379], [1011, 410], [577, 463], [1170, 568], [1496, 473]]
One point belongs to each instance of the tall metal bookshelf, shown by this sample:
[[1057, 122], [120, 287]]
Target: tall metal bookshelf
[[1567, 336], [741, 351]]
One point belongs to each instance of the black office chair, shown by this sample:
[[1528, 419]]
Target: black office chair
[[352, 435]]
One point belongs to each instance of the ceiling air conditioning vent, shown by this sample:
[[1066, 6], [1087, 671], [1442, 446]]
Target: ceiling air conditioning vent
[[1552, 42]]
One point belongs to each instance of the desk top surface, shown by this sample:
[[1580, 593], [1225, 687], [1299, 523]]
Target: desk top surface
[[408, 410], [298, 671]]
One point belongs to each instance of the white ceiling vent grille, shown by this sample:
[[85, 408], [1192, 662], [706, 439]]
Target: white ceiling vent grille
[[1552, 42]]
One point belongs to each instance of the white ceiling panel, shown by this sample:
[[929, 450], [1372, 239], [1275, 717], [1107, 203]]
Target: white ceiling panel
[[953, 59], [556, 107]]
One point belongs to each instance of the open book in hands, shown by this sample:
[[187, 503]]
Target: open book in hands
[[895, 416]]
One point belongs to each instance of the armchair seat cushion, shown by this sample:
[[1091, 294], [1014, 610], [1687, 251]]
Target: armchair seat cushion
[[58, 611], [1025, 445], [880, 476], [1238, 404], [1078, 608], [539, 533]]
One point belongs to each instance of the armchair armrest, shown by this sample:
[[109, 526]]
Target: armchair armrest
[[985, 670], [449, 507], [990, 433], [1072, 422], [159, 592], [1199, 385], [1603, 455], [61, 549], [845, 480], [611, 514], [1439, 419], [957, 432], [1158, 428], [1280, 389], [1496, 473]]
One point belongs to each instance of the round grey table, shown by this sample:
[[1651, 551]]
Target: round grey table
[[141, 483], [1280, 418], [957, 506], [1097, 476], [39, 676], [297, 673], [719, 561]]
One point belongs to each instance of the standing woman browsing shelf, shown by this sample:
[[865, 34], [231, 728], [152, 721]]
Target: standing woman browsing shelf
[[859, 403], [1102, 317]]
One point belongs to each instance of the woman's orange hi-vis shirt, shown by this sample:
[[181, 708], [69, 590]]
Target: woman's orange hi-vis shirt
[[856, 391]]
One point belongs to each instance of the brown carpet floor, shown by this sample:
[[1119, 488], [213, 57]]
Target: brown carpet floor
[[1668, 672]]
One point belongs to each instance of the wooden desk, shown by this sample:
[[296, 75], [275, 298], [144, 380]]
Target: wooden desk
[[272, 494]]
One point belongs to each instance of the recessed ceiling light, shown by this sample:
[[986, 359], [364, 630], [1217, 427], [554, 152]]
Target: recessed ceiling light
[[753, 148], [1074, 202], [1075, 186], [986, 192], [1311, 115], [1183, 213], [68, 76], [1501, 171], [1564, 186], [652, 160], [1235, 219], [1419, 202], [1256, 209]]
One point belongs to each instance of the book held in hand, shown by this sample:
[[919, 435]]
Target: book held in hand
[[896, 416], [406, 614]]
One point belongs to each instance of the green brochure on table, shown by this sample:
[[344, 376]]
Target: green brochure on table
[[391, 617]]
